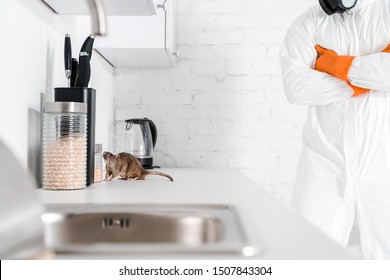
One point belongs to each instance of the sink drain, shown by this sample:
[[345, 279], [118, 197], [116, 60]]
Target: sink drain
[[109, 223]]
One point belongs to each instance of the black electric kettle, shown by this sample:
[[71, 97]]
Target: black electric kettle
[[140, 140]]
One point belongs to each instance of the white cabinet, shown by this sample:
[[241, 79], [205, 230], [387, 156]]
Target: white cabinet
[[132, 40], [111, 7], [140, 41]]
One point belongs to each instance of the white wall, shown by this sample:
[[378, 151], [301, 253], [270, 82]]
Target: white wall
[[31, 59], [223, 104]]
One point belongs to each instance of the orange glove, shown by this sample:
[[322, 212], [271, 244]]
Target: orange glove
[[338, 66], [387, 49], [358, 90], [333, 64]]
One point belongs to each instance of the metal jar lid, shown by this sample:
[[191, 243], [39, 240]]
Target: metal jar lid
[[65, 107]]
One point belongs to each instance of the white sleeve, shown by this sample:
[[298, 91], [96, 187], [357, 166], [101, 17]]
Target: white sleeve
[[371, 71], [303, 84]]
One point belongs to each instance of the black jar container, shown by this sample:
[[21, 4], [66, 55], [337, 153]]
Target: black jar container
[[88, 96]]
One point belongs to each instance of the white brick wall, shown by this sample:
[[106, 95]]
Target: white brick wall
[[223, 104]]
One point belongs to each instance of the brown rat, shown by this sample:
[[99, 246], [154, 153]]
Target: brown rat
[[127, 167]]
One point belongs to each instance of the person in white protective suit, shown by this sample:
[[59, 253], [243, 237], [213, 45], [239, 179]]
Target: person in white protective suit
[[338, 65]]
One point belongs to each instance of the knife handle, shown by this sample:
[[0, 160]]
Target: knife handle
[[84, 70], [88, 45], [68, 56], [75, 70]]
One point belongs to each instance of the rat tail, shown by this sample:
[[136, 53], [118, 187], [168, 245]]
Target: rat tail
[[158, 173]]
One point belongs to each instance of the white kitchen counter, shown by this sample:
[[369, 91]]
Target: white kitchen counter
[[281, 232]]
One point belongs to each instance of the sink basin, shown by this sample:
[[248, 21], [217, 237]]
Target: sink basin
[[132, 227], [146, 228]]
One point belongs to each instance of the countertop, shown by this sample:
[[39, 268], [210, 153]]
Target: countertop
[[280, 231]]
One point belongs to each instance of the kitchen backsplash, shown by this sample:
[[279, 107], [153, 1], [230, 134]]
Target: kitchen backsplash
[[223, 104]]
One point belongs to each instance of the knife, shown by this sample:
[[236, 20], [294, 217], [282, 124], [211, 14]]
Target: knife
[[88, 45], [84, 70], [84, 62], [75, 70], [68, 58]]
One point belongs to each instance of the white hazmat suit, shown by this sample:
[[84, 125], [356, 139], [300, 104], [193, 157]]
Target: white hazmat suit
[[344, 168]]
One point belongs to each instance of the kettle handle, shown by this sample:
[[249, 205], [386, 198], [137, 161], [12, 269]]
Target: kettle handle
[[153, 129]]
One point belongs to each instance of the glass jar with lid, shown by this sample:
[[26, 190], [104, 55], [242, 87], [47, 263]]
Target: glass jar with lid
[[64, 146]]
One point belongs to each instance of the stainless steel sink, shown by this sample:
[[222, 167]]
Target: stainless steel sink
[[146, 229]]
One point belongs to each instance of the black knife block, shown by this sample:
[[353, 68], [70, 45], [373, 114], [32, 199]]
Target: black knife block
[[88, 96]]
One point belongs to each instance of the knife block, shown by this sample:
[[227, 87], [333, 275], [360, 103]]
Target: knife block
[[88, 96]]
